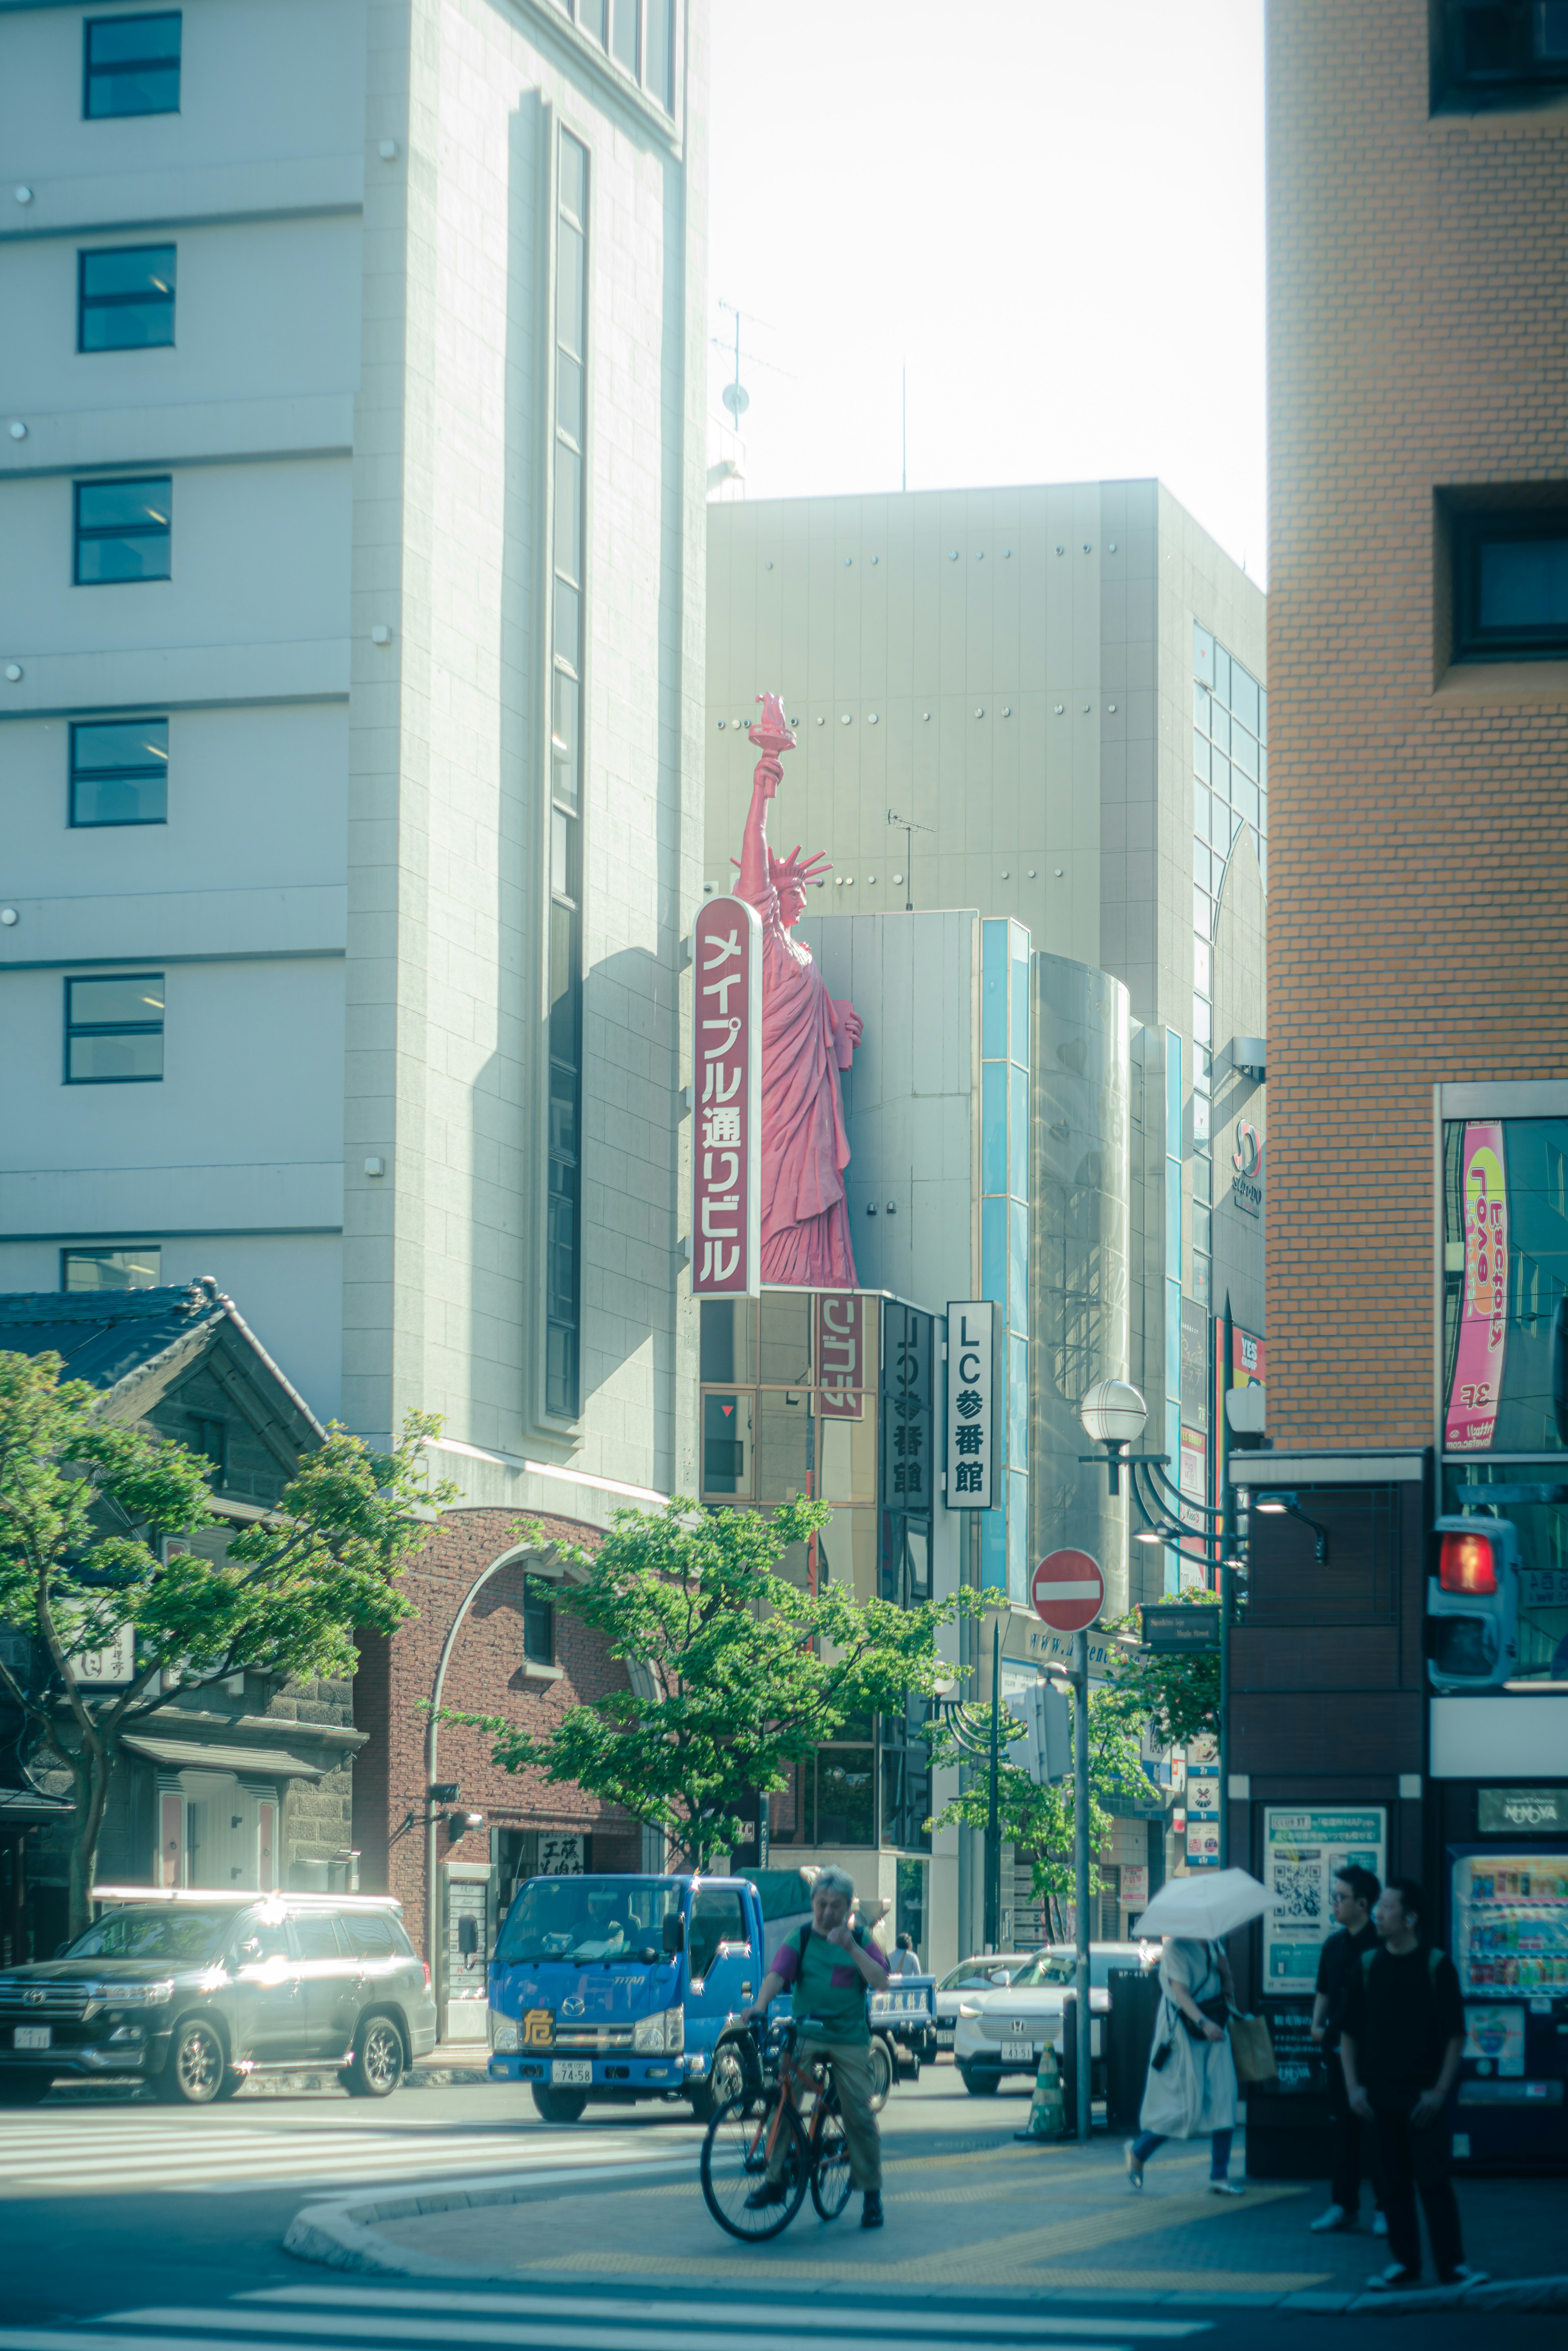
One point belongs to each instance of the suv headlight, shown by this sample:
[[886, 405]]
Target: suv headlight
[[504, 2034], [663, 2034], [144, 1995]]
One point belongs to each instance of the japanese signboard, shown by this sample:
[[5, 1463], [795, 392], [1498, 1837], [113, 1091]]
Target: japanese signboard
[[973, 1471], [838, 1347], [109, 1667], [1302, 1850], [1471, 1417], [727, 1101], [1249, 1363], [562, 1857], [907, 1432]]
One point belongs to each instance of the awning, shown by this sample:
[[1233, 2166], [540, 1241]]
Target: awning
[[189, 1755], [29, 1808]]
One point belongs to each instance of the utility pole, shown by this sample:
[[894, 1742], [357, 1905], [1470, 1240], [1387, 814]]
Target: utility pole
[[992, 1824], [1222, 1577], [903, 418], [1081, 1873]]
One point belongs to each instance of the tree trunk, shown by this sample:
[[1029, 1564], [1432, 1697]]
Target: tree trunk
[[91, 1769]]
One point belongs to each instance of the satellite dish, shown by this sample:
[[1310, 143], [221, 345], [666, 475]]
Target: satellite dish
[[736, 399]]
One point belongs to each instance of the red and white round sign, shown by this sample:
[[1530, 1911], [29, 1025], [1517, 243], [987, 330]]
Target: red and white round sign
[[1068, 1591]]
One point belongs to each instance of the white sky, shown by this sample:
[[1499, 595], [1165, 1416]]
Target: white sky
[[1052, 211]]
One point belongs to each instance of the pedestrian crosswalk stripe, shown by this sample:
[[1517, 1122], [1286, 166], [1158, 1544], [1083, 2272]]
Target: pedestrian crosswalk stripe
[[713, 2310], [671, 2330]]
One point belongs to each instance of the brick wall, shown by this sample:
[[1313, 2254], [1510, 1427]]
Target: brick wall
[[485, 1675], [1417, 914]]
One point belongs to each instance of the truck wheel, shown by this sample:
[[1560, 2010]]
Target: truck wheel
[[375, 2067], [728, 2078], [881, 2074], [559, 2105], [978, 2085], [194, 2070]]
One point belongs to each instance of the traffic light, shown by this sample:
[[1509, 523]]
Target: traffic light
[[1472, 1605], [1046, 1750]]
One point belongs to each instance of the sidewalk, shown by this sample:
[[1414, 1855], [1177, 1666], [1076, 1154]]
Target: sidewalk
[[994, 2220]]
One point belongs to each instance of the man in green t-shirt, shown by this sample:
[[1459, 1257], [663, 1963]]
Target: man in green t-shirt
[[826, 1969]]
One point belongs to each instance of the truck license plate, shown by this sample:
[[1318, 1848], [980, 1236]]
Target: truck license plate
[[1018, 2053], [577, 2072], [33, 2036]]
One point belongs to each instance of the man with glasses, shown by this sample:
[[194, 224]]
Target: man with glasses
[[1354, 1892]]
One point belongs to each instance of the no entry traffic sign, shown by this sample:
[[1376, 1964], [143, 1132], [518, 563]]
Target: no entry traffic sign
[[1068, 1591]]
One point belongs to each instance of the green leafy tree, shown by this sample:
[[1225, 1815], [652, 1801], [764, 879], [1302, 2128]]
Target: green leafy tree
[[735, 1670], [87, 1510], [1177, 1696], [1038, 1821]]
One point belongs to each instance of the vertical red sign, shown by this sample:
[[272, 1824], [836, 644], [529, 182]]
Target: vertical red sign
[[727, 1101], [839, 1345], [1471, 1422]]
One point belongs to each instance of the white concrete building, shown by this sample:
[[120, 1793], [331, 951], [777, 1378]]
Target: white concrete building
[[351, 640]]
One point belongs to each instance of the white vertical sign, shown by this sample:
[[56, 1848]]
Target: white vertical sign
[[727, 1101], [972, 1467]]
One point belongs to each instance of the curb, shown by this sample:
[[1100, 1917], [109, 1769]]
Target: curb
[[342, 2235], [1498, 2293], [268, 2085]]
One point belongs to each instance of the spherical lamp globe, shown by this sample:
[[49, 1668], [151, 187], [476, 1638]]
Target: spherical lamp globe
[[1113, 1413]]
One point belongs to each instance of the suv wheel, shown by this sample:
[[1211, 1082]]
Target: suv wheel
[[375, 2067], [559, 2105], [980, 2085], [24, 2089], [197, 2064]]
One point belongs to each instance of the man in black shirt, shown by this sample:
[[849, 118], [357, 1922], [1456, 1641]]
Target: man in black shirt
[[1354, 1892], [1402, 2039]]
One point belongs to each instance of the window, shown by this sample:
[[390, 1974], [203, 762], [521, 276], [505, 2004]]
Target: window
[[84, 1270], [131, 65], [210, 1439], [640, 35], [316, 1935], [717, 1919], [562, 1237], [1511, 586], [366, 1934], [539, 1622], [119, 771], [125, 297], [1497, 47], [114, 1029], [122, 530]]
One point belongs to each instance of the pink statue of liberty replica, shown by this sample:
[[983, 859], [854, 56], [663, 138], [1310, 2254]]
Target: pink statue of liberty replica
[[808, 1038]]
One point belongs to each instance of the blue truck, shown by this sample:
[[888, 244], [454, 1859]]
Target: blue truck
[[620, 1988]]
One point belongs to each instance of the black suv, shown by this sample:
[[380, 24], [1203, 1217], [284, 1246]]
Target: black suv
[[195, 1993]]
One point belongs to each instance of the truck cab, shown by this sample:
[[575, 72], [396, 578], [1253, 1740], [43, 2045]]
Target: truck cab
[[620, 1988]]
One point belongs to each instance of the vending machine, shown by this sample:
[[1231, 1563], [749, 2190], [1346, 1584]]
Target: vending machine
[[1507, 1936]]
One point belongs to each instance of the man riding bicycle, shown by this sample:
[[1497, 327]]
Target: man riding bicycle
[[826, 1969]]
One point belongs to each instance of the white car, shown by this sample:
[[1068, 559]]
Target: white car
[[992, 1972], [1004, 2032]]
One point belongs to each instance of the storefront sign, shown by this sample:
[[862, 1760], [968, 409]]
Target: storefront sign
[[907, 1476], [562, 1857], [973, 1468], [1301, 1850], [1134, 1888], [1249, 1363], [838, 1344], [1183, 1626], [1535, 1811], [727, 1101], [108, 1668], [1471, 1418], [1247, 1160]]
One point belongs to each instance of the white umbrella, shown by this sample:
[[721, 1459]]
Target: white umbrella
[[1205, 1908]]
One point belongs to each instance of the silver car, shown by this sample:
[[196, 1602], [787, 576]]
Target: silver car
[[1001, 2031], [991, 1971]]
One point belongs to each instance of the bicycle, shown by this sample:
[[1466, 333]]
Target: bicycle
[[741, 2141]]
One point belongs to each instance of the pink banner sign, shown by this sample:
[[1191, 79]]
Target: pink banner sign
[[1483, 1314], [727, 1101], [840, 1343]]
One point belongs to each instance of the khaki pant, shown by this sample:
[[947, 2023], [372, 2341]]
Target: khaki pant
[[851, 2063]]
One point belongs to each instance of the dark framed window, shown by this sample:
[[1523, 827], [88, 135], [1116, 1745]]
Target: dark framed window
[[125, 297], [114, 1029], [1511, 586], [1492, 48], [131, 65], [122, 530], [210, 1439], [137, 1266], [119, 771], [539, 1621]]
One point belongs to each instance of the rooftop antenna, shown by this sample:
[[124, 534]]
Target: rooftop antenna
[[904, 410], [908, 827], [735, 396]]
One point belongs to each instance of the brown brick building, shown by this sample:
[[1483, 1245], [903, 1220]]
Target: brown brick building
[[1384, 1708], [514, 1655]]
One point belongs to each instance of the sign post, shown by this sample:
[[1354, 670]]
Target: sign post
[[1069, 1592]]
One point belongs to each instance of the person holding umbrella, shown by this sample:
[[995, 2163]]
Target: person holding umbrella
[[1190, 2091]]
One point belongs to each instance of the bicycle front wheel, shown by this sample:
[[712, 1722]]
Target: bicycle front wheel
[[734, 2165], [830, 2181]]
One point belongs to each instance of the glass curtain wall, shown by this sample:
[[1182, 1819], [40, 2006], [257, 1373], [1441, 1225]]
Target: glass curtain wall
[[563, 1251], [1005, 1235]]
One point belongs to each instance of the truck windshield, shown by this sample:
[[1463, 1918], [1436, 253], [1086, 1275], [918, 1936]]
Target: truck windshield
[[585, 1919]]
